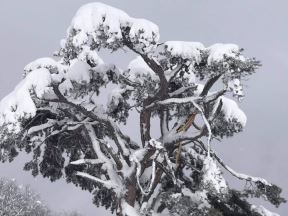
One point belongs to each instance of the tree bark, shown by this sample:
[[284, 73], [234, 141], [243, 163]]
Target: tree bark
[[131, 186]]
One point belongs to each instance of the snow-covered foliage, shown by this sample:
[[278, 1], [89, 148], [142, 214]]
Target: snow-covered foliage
[[20, 200], [59, 114], [185, 50], [263, 211], [19, 102], [100, 25], [212, 176]]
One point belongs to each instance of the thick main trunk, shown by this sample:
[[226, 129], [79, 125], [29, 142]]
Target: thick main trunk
[[145, 117], [130, 196]]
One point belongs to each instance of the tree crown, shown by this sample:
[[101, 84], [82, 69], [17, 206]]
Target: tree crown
[[191, 90]]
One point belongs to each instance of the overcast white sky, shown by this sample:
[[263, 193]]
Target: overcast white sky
[[31, 29]]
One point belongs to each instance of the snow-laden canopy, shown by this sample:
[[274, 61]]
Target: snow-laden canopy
[[94, 20], [59, 111], [185, 50], [138, 70], [91, 22], [19, 104], [219, 50]]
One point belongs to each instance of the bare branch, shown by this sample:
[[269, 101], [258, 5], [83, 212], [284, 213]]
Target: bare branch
[[181, 90], [240, 176], [215, 96]]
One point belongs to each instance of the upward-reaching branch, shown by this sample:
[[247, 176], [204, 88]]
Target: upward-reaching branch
[[209, 85]]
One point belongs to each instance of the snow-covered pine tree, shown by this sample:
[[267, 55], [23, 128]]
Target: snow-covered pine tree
[[55, 113], [18, 200]]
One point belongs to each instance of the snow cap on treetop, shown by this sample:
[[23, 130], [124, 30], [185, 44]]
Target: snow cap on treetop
[[218, 51], [185, 50], [95, 20]]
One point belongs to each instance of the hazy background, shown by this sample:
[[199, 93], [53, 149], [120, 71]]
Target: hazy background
[[31, 29]]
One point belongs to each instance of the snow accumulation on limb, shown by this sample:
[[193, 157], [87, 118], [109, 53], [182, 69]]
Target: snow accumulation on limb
[[241, 176], [18, 103], [171, 101], [106, 183], [41, 127], [139, 157], [174, 138], [138, 69], [263, 211], [194, 50], [232, 111], [213, 176], [207, 124], [96, 19], [171, 74], [48, 63], [86, 161], [107, 162], [218, 51], [185, 50], [128, 210], [96, 147]]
